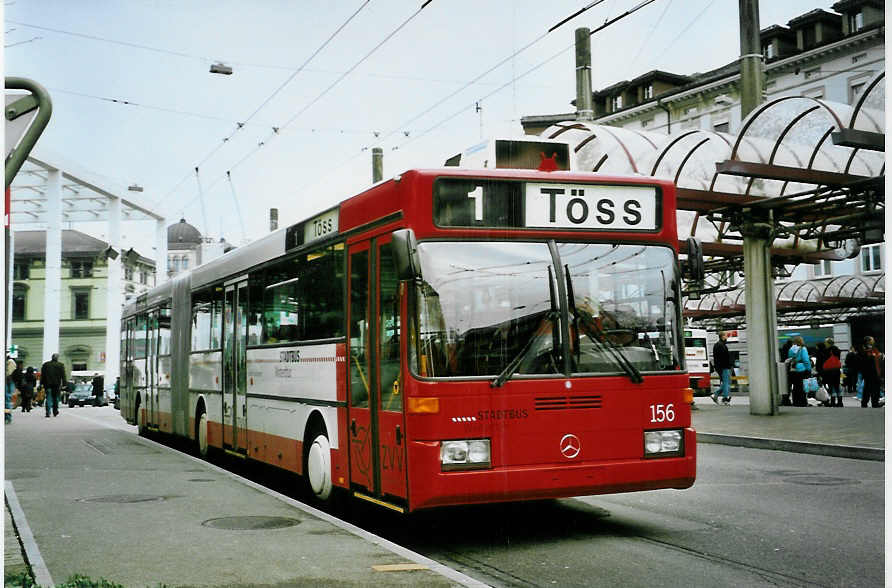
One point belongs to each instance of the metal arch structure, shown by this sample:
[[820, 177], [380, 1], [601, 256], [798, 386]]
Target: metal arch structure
[[47, 193], [809, 168]]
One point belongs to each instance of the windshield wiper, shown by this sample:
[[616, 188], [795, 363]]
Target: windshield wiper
[[550, 316], [604, 343]]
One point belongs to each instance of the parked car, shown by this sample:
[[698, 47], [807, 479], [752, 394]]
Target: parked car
[[82, 395]]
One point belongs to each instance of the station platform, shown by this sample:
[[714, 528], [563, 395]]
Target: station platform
[[86, 497]]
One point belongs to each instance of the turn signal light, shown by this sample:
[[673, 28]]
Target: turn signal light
[[424, 405], [688, 395]]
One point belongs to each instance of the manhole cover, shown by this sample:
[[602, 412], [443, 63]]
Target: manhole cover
[[820, 480], [250, 523], [122, 498]]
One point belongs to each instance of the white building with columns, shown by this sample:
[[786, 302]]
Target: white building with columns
[[49, 195]]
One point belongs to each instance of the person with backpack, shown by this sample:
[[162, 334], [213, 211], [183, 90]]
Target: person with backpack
[[800, 369], [830, 372]]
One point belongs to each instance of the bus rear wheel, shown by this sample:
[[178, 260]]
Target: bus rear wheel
[[317, 467], [201, 433]]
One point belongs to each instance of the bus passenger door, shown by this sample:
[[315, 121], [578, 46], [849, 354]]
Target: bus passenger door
[[363, 445], [391, 425], [152, 371], [234, 377]]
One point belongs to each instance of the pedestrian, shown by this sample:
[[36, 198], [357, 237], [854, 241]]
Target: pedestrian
[[721, 358], [830, 372], [29, 383], [800, 369], [52, 376], [11, 367], [850, 369], [871, 369]]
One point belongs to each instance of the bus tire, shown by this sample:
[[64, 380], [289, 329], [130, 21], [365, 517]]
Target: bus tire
[[201, 432], [317, 465], [141, 428]]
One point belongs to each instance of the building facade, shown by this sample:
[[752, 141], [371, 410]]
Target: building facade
[[820, 54], [83, 296], [187, 248]]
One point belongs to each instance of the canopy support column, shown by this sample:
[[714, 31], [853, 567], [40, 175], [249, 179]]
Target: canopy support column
[[761, 317], [115, 294], [52, 294]]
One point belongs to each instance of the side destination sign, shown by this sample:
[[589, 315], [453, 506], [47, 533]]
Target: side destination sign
[[591, 207], [321, 226]]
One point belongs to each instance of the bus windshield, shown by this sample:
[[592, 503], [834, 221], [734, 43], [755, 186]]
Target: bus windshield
[[493, 309]]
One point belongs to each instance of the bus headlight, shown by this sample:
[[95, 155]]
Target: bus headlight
[[663, 443], [469, 454]]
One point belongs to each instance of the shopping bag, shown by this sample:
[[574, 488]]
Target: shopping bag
[[821, 395], [810, 385]]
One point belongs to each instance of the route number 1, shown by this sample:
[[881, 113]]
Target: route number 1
[[660, 413]]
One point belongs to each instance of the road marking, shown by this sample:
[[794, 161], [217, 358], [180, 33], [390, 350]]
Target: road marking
[[398, 567]]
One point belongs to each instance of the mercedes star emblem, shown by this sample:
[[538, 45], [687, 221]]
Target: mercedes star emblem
[[570, 446]]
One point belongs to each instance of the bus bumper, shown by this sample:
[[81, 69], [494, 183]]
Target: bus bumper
[[431, 487]]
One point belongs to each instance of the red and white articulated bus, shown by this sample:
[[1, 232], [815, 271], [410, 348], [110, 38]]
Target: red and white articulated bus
[[449, 336]]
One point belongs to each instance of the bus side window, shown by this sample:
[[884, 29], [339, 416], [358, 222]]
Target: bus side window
[[389, 331], [359, 332]]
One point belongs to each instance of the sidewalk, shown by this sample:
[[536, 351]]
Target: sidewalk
[[851, 431]]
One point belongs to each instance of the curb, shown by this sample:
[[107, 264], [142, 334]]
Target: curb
[[847, 451], [32, 553]]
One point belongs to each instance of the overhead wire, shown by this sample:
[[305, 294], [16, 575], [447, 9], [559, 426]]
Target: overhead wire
[[240, 125], [477, 79], [275, 130]]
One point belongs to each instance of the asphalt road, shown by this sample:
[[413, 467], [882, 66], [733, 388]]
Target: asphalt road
[[753, 518]]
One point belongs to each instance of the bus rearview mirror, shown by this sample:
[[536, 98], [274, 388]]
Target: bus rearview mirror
[[405, 249]]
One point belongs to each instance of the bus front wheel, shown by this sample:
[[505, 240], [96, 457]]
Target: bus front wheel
[[318, 467]]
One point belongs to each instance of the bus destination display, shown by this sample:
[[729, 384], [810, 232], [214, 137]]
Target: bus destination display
[[460, 202], [593, 207]]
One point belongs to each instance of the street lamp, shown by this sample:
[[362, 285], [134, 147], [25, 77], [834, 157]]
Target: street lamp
[[220, 68]]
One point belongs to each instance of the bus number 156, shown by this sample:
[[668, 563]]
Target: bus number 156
[[660, 413]]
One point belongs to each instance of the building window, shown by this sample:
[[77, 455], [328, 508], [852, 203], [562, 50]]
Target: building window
[[19, 296], [128, 274], [871, 258], [812, 73], [855, 89], [823, 269], [816, 93], [617, 102], [143, 277], [185, 262], [768, 51], [856, 22], [648, 92], [174, 264], [80, 304], [81, 269], [21, 271]]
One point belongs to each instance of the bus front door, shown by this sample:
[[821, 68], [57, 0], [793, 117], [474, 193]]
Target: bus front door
[[235, 329], [375, 422]]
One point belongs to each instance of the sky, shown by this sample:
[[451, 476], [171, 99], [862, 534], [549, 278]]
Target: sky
[[317, 85]]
